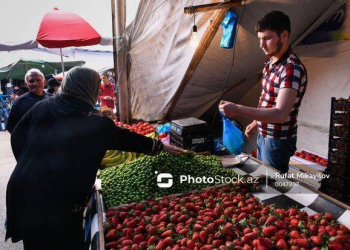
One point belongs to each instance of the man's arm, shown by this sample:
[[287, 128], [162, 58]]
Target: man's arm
[[278, 114]]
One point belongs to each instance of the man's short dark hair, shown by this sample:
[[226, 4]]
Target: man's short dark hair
[[275, 21]]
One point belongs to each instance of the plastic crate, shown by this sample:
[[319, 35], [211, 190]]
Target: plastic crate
[[338, 168], [341, 118], [341, 104], [196, 143], [339, 143], [336, 193], [336, 180]]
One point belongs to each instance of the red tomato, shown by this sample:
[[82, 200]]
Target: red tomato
[[297, 154]]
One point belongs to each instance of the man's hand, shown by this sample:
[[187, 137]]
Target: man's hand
[[174, 150], [229, 109], [107, 98], [251, 129]]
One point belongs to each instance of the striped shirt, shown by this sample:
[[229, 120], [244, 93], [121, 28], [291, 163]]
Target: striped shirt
[[288, 72]]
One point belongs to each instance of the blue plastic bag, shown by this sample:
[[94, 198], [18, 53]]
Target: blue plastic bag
[[228, 35], [164, 128], [232, 137]]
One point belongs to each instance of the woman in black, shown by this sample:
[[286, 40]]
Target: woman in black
[[59, 145]]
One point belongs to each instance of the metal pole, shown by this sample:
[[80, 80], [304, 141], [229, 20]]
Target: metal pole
[[119, 20], [62, 64]]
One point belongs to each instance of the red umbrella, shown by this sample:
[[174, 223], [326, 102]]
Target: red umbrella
[[60, 29]]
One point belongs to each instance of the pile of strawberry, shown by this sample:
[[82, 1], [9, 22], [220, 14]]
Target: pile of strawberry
[[221, 218]]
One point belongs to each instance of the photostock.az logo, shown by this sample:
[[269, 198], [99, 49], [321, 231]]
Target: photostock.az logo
[[164, 176]]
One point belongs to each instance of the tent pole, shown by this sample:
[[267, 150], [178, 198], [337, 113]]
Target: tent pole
[[204, 43], [62, 64], [119, 20]]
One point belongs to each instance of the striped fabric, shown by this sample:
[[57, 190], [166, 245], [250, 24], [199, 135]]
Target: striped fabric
[[288, 72]]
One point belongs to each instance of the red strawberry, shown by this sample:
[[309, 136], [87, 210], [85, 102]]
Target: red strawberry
[[294, 234], [271, 219], [300, 242], [167, 233], [317, 240], [168, 241], [112, 244], [197, 227], [127, 243], [190, 244], [151, 240], [335, 246], [203, 235], [139, 238], [160, 245], [111, 235], [281, 244], [218, 243], [269, 231]]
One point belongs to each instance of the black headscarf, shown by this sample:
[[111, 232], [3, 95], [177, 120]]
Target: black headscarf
[[82, 83], [79, 93]]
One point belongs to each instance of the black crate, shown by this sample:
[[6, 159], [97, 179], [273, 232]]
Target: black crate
[[336, 180], [337, 193], [342, 118], [196, 143], [339, 169], [341, 131], [190, 126], [340, 104], [339, 143]]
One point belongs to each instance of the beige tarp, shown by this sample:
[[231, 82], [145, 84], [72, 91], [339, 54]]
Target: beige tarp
[[160, 53]]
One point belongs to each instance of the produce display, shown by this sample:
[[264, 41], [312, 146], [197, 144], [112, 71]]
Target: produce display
[[337, 185], [143, 128], [116, 157], [220, 218], [137, 180], [107, 112], [311, 157]]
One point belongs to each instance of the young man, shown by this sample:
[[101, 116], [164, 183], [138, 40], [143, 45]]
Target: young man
[[107, 92], [35, 82], [284, 82]]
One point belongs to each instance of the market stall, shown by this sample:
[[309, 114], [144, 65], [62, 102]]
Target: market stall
[[285, 192]]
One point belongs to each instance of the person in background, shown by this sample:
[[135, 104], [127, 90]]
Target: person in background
[[107, 92], [3, 110], [284, 82], [59, 145], [53, 86], [35, 81]]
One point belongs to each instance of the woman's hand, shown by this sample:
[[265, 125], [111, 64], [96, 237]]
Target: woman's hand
[[174, 150]]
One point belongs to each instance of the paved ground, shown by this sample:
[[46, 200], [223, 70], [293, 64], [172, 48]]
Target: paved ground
[[7, 164]]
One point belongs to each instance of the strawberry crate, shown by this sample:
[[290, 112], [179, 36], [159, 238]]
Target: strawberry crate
[[340, 104], [340, 194], [338, 168], [341, 118], [336, 180], [339, 144]]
